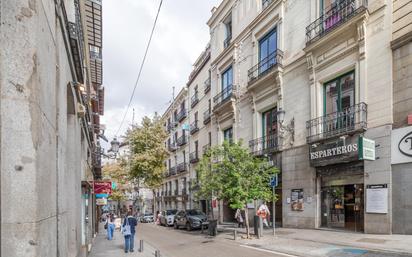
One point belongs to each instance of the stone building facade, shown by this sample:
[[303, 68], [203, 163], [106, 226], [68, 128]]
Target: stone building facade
[[320, 87], [51, 100]]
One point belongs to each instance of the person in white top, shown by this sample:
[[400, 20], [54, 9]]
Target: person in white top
[[264, 212]]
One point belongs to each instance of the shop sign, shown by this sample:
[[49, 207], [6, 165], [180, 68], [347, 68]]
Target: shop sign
[[344, 149], [102, 187], [101, 201], [377, 198], [401, 148]]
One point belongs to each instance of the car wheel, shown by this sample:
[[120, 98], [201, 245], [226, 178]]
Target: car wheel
[[175, 226], [188, 226]]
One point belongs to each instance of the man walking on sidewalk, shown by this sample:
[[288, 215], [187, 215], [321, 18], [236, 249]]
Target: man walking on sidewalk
[[129, 230]]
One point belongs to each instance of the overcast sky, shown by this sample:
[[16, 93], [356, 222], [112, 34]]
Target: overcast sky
[[180, 36]]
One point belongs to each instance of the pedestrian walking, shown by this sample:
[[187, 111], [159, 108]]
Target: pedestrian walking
[[110, 227], [129, 230], [239, 218], [264, 212]]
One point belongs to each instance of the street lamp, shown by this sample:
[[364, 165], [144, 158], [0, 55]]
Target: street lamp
[[115, 146], [283, 128]]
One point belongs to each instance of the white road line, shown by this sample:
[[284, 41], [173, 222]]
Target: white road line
[[269, 251]]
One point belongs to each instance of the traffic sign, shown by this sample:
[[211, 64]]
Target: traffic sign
[[274, 181]]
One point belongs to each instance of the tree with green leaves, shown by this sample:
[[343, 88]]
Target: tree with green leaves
[[148, 151], [117, 173], [230, 173]]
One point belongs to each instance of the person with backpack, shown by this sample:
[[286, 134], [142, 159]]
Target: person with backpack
[[129, 230]]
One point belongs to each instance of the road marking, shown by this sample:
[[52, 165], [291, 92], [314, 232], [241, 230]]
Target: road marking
[[268, 251]]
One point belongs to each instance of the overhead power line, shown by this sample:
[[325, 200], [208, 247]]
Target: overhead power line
[[141, 68]]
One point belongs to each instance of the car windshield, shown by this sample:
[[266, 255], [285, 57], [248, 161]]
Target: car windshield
[[195, 212], [171, 212]]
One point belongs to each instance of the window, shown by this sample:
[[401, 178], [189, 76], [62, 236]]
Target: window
[[196, 116], [196, 147], [184, 156], [210, 138], [227, 79], [228, 30], [339, 93], [270, 122], [228, 134], [267, 51]]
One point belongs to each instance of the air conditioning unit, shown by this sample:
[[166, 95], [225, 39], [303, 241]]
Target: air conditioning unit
[[81, 110]]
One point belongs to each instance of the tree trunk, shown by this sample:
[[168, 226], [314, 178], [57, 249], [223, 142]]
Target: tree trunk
[[247, 222]]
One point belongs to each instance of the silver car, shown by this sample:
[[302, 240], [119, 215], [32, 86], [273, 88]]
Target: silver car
[[167, 217]]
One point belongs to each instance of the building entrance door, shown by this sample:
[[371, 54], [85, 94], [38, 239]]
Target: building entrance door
[[343, 207]]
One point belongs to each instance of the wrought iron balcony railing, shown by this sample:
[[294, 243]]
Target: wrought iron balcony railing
[[182, 140], [194, 100], [194, 157], [207, 85], [181, 167], [226, 42], [181, 115], [172, 171], [265, 66], [206, 116], [171, 125], [172, 147], [333, 17], [336, 124], [223, 96], [264, 145], [194, 127]]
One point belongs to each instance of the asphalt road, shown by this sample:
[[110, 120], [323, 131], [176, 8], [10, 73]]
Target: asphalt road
[[181, 243]]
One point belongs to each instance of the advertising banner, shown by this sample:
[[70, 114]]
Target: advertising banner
[[102, 187], [101, 201], [401, 145]]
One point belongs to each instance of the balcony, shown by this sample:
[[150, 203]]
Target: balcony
[[194, 100], [265, 66], [181, 115], [184, 191], [264, 145], [194, 127], [206, 116], [227, 41], [224, 96], [172, 147], [194, 157], [176, 191], [333, 18], [181, 167], [182, 140], [171, 126], [348, 121], [172, 171], [207, 85], [266, 3]]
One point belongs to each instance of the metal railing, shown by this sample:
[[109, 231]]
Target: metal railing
[[265, 66], [194, 100], [207, 85], [206, 116], [334, 124], [223, 96], [194, 157], [182, 140], [172, 171], [170, 126], [194, 127], [172, 147], [264, 145], [226, 42], [181, 167], [333, 17], [181, 115]]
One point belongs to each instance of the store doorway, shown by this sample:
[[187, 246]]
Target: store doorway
[[343, 207]]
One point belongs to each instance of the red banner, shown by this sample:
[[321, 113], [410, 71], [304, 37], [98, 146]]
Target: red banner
[[102, 187]]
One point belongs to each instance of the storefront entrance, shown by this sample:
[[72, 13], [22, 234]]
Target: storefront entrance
[[342, 207]]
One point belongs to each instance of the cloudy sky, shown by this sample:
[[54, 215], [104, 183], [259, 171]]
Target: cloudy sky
[[180, 36]]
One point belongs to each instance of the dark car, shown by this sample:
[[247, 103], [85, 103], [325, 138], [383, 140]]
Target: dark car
[[189, 219]]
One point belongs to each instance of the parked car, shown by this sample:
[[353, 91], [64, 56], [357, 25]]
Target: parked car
[[167, 217], [189, 219], [147, 218]]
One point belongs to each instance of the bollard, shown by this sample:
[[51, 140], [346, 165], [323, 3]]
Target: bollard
[[157, 253], [141, 246], [234, 234], [256, 226], [260, 227]]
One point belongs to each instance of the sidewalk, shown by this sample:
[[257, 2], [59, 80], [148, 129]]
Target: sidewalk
[[313, 242], [115, 248]]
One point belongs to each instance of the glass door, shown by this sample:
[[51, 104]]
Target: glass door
[[267, 51]]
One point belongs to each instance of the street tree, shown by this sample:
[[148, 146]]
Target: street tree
[[118, 174], [148, 151], [230, 173]]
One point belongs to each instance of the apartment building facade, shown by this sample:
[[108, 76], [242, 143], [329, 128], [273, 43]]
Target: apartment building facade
[[51, 101], [309, 84]]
